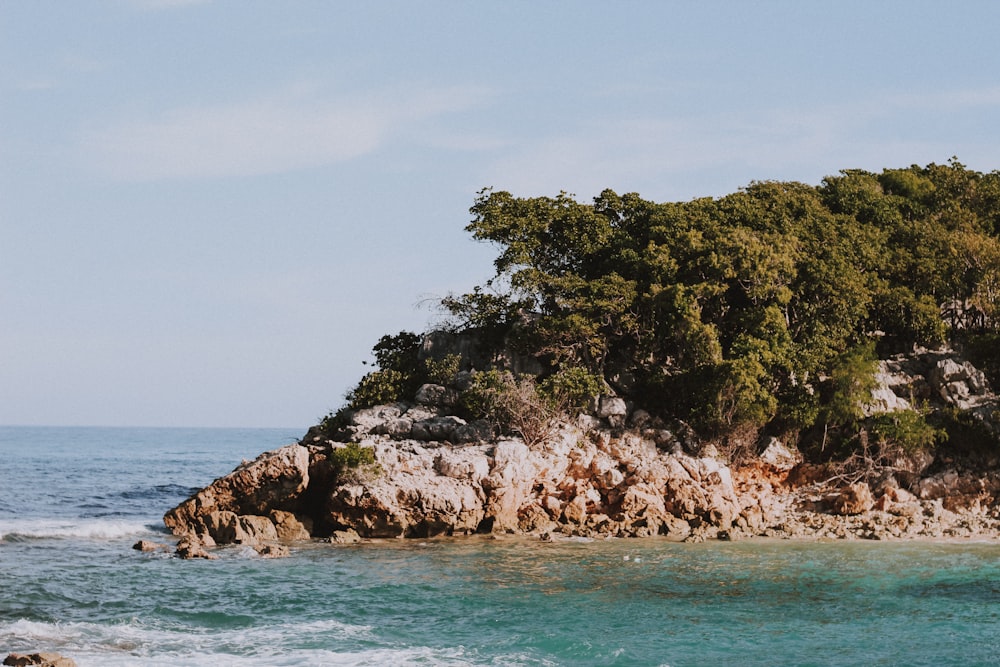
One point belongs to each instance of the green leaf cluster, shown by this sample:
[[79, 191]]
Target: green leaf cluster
[[352, 455], [400, 372], [352, 462], [729, 311]]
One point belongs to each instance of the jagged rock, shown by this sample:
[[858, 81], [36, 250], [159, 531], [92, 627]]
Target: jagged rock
[[639, 420], [940, 376], [274, 480], [272, 551], [189, 548], [369, 418], [291, 528], [222, 527], [435, 394], [436, 429], [349, 536], [575, 510], [38, 660], [476, 431], [419, 413], [434, 474], [398, 428], [509, 483], [149, 546], [611, 406], [780, 457], [255, 530], [854, 499]]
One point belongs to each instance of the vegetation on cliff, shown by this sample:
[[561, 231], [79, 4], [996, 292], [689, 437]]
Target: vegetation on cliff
[[762, 311]]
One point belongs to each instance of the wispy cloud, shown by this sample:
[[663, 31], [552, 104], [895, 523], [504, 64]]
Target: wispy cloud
[[157, 5], [295, 130], [658, 156]]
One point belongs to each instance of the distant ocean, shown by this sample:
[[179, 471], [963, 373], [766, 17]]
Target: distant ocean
[[74, 500]]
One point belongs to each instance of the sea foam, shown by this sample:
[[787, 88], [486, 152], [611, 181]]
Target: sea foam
[[95, 529], [91, 644]]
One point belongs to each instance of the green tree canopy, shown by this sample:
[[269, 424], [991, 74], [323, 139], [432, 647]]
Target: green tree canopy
[[729, 312]]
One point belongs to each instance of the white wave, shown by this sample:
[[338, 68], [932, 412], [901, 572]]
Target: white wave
[[136, 642], [139, 638], [96, 529]]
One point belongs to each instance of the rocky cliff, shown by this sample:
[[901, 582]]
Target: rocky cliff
[[616, 473]]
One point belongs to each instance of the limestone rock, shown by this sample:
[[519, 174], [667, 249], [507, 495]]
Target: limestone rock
[[289, 527], [274, 480], [189, 548], [255, 530], [854, 499], [435, 474], [611, 406], [398, 428], [231, 528], [435, 394], [436, 429], [149, 546], [272, 551], [349, 536], [780, 457], [368, 419]]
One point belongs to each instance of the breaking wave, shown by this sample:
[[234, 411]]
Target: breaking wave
[[300, 644], [15, 530]]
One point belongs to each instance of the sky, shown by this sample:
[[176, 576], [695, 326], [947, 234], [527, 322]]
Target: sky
[[210, 210]]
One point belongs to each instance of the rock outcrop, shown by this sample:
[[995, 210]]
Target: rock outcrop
[[614, 473], [937, 378], [250, 505]]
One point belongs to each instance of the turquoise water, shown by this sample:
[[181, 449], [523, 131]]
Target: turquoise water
[[75, 500]]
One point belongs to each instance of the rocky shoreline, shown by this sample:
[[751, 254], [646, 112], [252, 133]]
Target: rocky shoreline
[[615, 473]]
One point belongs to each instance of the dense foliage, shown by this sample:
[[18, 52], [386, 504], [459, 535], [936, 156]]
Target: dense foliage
[[759, 309]]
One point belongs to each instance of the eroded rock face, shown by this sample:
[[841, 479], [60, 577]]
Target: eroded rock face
[[937, 377], [580, 482], [854, 499], [234, 508], [435, 474]]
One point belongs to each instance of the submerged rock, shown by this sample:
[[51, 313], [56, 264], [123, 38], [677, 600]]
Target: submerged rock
[[149, 546], [272, 551]]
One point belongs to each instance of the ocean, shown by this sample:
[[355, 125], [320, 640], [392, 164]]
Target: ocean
[[74, 500]]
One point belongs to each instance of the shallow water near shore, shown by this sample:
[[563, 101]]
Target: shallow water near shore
[[77, 499]]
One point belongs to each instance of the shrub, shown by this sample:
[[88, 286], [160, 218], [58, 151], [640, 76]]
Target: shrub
[[442, 371], [571, 390], [354, 463], [378, 388], [512, 405], [907, 429], [398, 376], [334, 422]]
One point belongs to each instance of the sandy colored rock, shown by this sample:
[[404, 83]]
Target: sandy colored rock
[[434, 474], [349, 536], [854, 499], [274, 480], [190, 548], [289, 527], [149, 546], [272, 551]]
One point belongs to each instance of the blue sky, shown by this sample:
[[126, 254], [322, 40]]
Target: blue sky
[[211, 210]]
